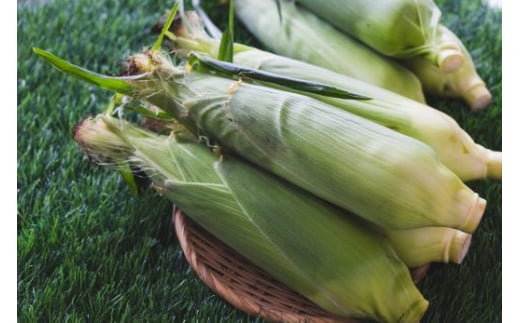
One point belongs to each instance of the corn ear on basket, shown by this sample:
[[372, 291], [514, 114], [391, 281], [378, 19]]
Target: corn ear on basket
[[236, 202]]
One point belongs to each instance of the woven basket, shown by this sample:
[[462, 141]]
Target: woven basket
[[243, 284]]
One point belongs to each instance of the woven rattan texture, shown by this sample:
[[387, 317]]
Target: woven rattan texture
[[242, 283]]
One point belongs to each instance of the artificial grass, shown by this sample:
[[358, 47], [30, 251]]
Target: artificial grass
[[90, 251]]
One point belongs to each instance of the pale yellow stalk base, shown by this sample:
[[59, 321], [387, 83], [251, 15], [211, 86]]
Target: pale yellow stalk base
[[476, 205], [494, 164], [450, 60], [458, 246], [478, 96]]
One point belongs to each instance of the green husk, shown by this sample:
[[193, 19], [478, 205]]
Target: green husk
[[299, 239], [455, 148], [303, 36], [417, 247], [395, 28]]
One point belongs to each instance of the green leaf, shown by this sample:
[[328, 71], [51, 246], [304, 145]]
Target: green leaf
[[116, 84], [166, 27], [204, 63], [225, 52], [128, 177]]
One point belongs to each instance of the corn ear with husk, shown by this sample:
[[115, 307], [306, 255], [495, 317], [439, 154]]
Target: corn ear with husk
[[338, 156], [417, 247], [464, 83], [302, 35], [395, 28], [455, 147], [300, 240]]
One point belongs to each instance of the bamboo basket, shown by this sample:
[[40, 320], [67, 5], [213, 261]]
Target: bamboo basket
[[243, 284]]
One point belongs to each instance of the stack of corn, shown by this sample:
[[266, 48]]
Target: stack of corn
[[454, 146], [366, 37], [319, 190], [312, 246]]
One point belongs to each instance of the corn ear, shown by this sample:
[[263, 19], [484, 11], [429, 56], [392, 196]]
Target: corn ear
[[297, 238], [417, 247], [334, 154], [464, 83], [396, 28], [302, 35]]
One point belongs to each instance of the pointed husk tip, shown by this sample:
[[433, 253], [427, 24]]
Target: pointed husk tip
[[415, 312]]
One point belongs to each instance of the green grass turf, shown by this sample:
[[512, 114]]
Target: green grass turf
[[90, 252]]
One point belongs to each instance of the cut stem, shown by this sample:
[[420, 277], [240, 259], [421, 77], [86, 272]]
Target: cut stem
[[417, 247]]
